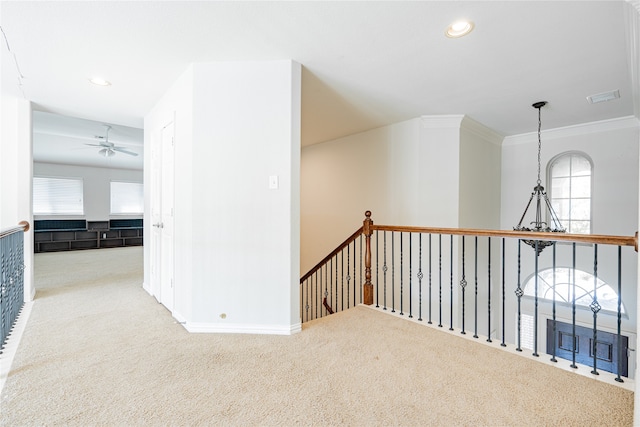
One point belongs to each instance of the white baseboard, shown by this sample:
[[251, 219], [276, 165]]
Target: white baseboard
[[239, 328]]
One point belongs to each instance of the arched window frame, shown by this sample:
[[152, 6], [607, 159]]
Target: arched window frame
[[607, 295], [550, 165]]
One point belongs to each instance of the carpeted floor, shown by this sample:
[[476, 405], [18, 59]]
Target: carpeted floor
[[99, 351]]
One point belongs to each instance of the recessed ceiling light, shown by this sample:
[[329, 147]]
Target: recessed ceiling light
[[604, 96], [459, 29], [100, 82]]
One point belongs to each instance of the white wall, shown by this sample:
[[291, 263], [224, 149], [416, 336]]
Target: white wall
[[242, 237], [96, 187], [480, 176], [418, 172], [15, 160]]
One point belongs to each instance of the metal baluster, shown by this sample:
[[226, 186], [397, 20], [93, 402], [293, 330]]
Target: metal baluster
[[348, 277], [420, 275], [4, 293], [334, 307], [554, 321], [401, 276], [451, 283], [595, 308], [519, 292], [315, 292], [355, 275], [410, 277], [377, 271], [475, 330], [463, 284], [503, 344], [361, 275], [341, 279], [440, 279], [573, 308], [326, 285], [393, 273], [489, 291], [306, 282], [618, 379], [535, 299], [384, 269], [429, 280], [319, 302]]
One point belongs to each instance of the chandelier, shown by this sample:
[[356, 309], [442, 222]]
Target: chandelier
[[542, 201]]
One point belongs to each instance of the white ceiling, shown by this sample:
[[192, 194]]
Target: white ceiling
[[365, 64]]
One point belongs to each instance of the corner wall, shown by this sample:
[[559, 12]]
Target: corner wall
[[236, 125]]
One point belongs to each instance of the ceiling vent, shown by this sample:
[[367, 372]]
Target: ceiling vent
[[604, 96]]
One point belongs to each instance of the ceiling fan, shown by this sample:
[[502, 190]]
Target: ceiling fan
[[109, 149]]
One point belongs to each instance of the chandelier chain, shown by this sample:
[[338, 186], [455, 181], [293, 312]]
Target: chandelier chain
[[539, 144]]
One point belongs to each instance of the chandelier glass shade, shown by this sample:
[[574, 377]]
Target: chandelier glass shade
[[550, 223]]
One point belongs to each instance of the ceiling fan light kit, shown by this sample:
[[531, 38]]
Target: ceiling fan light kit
[[109, 149], [107, 152]]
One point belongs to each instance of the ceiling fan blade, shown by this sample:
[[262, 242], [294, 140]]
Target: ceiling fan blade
[[95, 145], [122, 150]]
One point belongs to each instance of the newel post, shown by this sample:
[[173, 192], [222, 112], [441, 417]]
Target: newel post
[[367, 289]]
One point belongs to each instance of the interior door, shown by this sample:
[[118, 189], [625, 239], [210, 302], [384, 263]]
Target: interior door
[[167, 214], [156, 215]]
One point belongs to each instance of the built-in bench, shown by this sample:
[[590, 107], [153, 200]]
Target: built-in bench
[[73, 234]]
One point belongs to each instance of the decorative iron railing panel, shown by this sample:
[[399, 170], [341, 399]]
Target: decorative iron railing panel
[[11, 279], [487, 283]]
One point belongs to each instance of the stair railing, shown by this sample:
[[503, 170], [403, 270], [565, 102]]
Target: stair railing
[[457, 278], [11, 278]]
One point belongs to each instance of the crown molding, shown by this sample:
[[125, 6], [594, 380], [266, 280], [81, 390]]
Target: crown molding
[[575, 130], [481, 131], [451, 121], [635, 4]]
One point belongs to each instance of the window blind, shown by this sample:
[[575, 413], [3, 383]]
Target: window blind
[[127, 198], [57, 196]]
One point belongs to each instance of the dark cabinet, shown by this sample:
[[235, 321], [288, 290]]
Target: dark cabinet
[[51, 236]]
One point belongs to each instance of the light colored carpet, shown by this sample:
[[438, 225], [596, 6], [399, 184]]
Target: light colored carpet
[[98, 350]]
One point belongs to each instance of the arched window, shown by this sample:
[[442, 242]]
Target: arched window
[[564, 288], [570, 190]]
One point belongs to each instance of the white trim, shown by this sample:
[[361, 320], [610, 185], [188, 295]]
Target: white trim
[[239, 328], [451, 121], [574, 130], [481, 131]]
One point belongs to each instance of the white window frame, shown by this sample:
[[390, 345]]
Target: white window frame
[[584, 282], [62, 195], [130, 195], [550, 165]]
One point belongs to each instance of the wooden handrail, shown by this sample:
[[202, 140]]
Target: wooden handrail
[[532, 235], [332, 254], [22, 226], [368, 227]]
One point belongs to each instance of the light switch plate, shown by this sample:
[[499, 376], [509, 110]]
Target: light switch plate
[[273, 182]]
